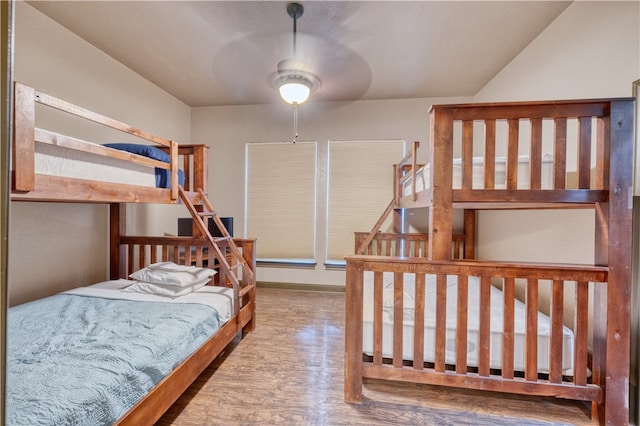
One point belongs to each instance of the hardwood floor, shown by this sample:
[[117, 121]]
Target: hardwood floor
[[289, 371]]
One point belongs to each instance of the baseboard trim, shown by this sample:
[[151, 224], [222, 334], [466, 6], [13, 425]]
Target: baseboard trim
[[302, 287]]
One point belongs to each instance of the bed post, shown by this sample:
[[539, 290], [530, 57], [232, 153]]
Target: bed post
[[23, 143], [441, 159], [353, 332], [117, 228], [614, 248]]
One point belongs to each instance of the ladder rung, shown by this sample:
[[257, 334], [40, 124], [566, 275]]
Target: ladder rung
[[245, 290], [221, 239], [235, 266], [203, 214]]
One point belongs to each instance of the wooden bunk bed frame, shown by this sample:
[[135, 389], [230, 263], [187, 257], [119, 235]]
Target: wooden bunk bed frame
[[604, 185], [234, 258]]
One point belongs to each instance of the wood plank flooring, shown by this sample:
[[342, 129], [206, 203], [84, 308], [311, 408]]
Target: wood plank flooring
[[289, 371]]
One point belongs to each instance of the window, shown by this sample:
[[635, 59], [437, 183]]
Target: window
[[360, 186], [280, 200]]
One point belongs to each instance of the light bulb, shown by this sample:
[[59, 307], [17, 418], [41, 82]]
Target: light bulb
[[294, 92]]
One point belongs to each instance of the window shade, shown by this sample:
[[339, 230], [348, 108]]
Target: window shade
[[280, 199], [360, 188]]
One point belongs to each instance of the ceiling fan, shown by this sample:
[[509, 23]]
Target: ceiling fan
[[293, 79]]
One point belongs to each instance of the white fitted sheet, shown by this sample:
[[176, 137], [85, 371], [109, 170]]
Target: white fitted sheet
[[495, 350], [54, 160], [423, 179]]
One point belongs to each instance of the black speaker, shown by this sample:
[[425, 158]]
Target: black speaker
[[185, 226]]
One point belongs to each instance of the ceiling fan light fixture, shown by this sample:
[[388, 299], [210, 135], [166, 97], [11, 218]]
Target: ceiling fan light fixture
[[295, 86], [294, 91]]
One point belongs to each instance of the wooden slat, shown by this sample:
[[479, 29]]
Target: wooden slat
[[512, 154], [580, 332], [187, 254], [584, 153], [556, 339], [398, 317], [462, 325], [508, 335], [141, 257], [484, 326], [531, 335], [603, 128], [560, 153], [490, 154], [441, 322], [377, 318], [535, 156], [467, 154], [418, 323], [469, 234], [130, 261]]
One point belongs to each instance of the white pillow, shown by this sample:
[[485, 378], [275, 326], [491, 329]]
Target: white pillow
[[165, 290], [170, 274]]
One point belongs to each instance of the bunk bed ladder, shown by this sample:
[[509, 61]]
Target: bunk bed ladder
[[233, 261], [376, 228]]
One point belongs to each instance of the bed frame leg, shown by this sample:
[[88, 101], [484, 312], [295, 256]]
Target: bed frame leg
[[353, 334]]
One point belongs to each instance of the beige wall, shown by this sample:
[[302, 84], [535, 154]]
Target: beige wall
[[65, 245], [227, 129]]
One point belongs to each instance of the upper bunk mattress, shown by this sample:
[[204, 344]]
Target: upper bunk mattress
[[87, 356], [54, 160], [423, 178]]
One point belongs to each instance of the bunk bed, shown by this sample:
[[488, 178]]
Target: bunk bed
[[421, 308], [228, 263]]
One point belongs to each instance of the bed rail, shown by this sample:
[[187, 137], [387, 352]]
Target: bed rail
[[533, 153], [508, 276], [28, 185], [140, 251], [402, 245], [405, 172]]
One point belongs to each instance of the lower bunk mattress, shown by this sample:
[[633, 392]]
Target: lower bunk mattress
[[473, 314], [86, 356]]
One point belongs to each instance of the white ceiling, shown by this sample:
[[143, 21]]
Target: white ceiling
[[210, 53]]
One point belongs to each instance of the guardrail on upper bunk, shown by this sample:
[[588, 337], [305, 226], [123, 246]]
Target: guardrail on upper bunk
[[190, 158], [441, 354], [545, 152], [402, 245]]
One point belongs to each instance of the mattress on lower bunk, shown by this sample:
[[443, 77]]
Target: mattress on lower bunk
[[53, 160], [88, 355], [497, 306], [423, 178]]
